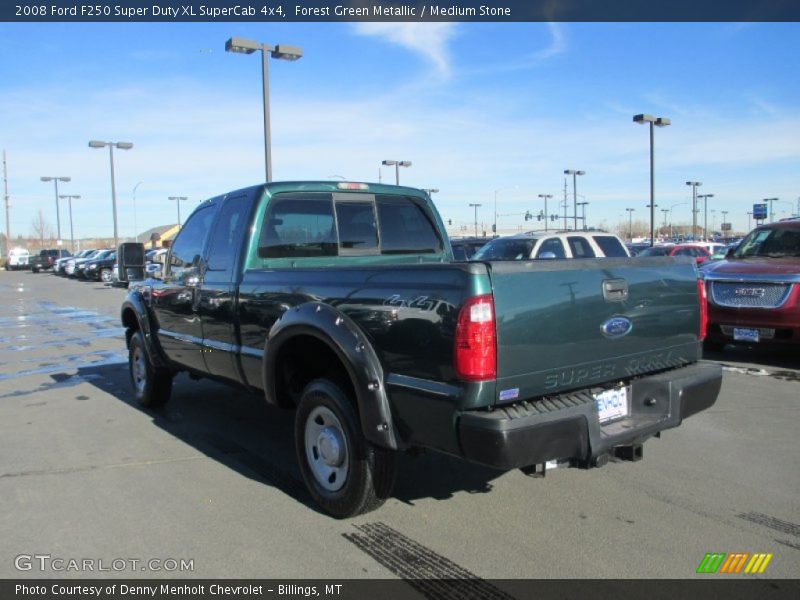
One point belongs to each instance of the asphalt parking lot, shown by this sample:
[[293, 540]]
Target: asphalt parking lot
[[212, 479]]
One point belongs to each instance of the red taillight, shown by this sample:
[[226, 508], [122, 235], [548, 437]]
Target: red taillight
[[701, 291], [475, 346]]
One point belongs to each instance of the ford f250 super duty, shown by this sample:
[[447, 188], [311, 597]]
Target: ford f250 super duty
[[342, 301]]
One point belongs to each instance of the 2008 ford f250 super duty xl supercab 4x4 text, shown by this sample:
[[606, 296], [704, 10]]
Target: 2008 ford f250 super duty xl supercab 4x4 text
[[342, 301]]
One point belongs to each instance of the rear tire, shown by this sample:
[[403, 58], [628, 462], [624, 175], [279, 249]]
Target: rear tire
[[346, 474], [151, 386]]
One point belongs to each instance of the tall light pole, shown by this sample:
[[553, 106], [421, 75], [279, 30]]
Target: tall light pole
[[771, 214], [69, 198], [749, 214], [665, 211], [630, 223], [55, 180], [476, 217], [178, 200], [705, 198], [574, 174], [397, 164], [546, 216], [695, 185], [111, 146], [657, 122], [583, 213], [724, 220], [281, 51], [135, 226]]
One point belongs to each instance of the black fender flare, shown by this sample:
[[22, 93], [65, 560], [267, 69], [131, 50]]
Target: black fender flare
[[134, 302], [340, 333]]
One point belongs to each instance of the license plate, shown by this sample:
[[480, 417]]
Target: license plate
[[612, 404], [745, 335]]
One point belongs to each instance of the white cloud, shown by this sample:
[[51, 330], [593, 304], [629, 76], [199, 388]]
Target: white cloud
[[429, 40]]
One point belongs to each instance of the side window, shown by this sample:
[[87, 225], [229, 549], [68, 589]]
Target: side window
[[227, 237], [580, 247], [298, 225], [553, 245], [610, 246], [188, 245], [358, 230], [405, 228]]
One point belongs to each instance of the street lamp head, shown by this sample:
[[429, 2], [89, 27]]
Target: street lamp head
[[286, 52], [124, 145], [580, 173], [97, 144], [241, 45], [389, 163], [65, 196], [694, 183], [404, 163], [642, 119], [56, 178], [573, 172], [662, 122]]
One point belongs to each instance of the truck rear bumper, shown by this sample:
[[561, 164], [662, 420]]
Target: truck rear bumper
[[567, 426]]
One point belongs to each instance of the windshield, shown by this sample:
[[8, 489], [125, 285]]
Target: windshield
[[505, 249], [772, 243]]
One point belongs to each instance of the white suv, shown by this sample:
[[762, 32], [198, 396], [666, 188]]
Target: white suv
[[18, 258], [544, 245]]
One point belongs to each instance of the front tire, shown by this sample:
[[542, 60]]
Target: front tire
[[151, 386], [105, 275], [346, 474]]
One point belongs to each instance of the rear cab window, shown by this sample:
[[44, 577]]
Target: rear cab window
[[324, 224]]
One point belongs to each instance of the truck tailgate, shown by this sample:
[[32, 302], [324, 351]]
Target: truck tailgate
[[571, 324]]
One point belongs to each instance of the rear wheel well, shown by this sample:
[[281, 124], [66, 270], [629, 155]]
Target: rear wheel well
[[303, 359]]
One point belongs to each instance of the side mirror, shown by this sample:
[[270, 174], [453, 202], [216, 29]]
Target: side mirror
[[130, 258], [547, 256]]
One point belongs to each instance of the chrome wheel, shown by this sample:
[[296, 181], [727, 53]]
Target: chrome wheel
[[105, 275], [139, 370], [326, 449]]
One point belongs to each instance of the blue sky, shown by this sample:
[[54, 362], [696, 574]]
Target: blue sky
[[476, 108]]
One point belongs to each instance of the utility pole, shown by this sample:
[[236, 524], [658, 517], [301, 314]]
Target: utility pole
[[8, 204], [565, 204]]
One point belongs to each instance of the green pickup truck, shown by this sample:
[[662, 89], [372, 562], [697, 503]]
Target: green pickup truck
[[342, 301]]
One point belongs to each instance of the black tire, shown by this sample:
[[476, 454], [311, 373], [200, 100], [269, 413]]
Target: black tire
[[364, 479], [712, 346], [151, 386], [35, 269]]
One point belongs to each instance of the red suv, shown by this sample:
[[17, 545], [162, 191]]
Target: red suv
[[754, 293]]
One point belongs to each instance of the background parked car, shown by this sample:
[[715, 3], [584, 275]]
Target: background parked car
[[18, 258], [80, 266], [546, 245], [754, 294], [100, 267], [60, 267], [699, 253], [47, 259]]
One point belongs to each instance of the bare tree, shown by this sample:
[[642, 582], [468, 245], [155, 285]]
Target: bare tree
[[41, 228]]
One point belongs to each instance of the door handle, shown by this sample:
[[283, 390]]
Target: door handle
[[615, 290]]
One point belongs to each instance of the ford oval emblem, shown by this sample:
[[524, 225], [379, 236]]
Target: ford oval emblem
[[616, 327]]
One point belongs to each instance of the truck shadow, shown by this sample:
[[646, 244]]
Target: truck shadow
[[241, 431], [744, 356]]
